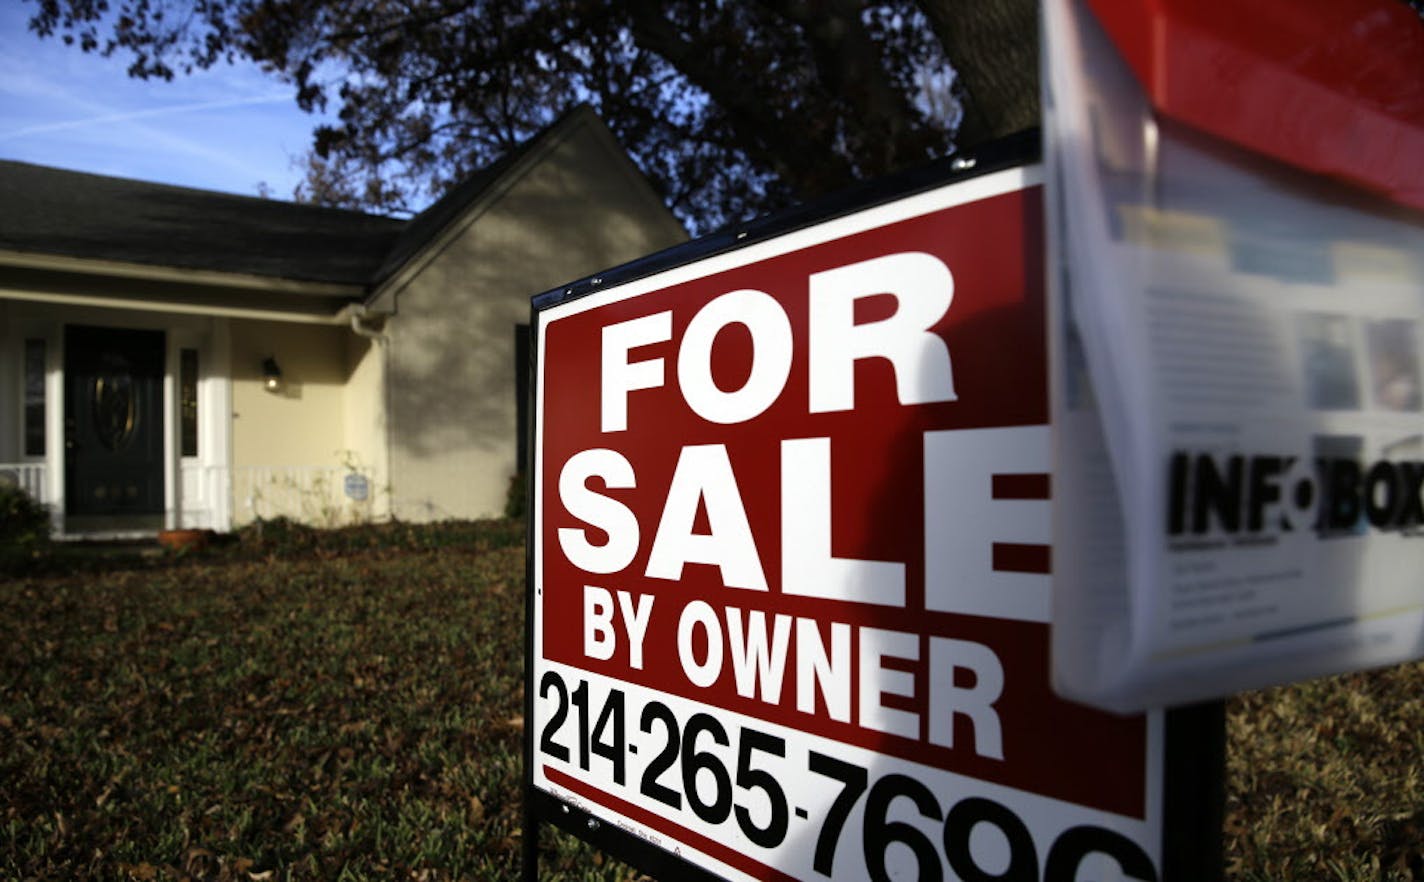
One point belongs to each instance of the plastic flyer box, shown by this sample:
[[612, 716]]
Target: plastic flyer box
[[1236, 228]]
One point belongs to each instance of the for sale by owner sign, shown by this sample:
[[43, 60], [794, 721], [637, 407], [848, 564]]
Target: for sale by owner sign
[[791, 563]]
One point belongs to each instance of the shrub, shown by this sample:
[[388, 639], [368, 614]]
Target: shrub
[[279, 535], [514, 500], [284, 537], [24, 528]]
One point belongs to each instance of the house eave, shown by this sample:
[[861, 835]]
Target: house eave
[[81, 283], [198, 277]]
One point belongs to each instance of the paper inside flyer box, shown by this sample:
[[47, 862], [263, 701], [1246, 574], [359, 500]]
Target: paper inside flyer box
[[1237, 408]]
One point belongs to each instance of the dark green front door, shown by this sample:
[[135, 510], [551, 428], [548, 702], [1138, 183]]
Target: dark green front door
[[113, 420]]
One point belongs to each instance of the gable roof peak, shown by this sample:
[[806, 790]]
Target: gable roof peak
[[425, 228]]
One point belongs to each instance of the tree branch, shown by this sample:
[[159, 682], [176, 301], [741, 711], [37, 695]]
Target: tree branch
[[993, 45], [780, 142]]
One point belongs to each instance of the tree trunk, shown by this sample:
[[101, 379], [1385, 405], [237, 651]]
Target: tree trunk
[[993, 45]]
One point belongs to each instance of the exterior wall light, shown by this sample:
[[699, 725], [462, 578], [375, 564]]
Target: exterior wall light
[[271, 375]]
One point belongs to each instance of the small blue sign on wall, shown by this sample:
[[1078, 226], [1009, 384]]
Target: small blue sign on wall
[[356, 487]]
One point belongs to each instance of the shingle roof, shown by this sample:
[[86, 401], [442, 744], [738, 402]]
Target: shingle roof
[[52, 211]]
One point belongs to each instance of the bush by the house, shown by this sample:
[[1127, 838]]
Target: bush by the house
[[24, 528], [515, 498]]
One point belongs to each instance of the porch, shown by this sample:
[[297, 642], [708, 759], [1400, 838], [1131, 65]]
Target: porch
[[222, 498]]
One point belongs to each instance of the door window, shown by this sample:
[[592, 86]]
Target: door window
[[34, 397]]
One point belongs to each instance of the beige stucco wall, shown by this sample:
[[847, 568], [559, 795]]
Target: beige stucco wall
[[302, 423], [580, 209], [364, 417], [292, 449]]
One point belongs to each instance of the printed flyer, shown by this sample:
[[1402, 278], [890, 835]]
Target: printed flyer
[[1239, 426]]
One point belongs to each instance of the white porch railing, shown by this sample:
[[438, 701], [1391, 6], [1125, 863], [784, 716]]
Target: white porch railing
[[316, 495], [28, 476], [203, 500]]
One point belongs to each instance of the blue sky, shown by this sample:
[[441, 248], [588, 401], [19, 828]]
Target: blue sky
[[230, 128]]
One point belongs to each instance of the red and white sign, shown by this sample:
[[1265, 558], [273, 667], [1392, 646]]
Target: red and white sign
[[792, 562]]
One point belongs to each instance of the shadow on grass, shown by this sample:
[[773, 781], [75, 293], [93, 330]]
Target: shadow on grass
[[297, 704], [294, 704]]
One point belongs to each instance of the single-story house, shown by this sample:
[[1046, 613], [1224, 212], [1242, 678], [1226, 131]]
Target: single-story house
[[173, 357]]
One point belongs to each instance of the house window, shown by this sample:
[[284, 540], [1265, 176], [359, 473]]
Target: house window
[[34, 397], [188, 401]]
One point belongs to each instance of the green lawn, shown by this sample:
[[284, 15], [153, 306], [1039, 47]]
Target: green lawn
[[347, 705], [1325, 780], [329, 707]]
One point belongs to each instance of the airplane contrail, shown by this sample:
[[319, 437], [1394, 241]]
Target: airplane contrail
[[134, 115]]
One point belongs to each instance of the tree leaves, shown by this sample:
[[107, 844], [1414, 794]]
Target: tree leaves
[[731, 109]]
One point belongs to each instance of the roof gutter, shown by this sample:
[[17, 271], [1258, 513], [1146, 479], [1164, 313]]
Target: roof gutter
[[116, 285], [168, 306], [358, 314], [206, 278]]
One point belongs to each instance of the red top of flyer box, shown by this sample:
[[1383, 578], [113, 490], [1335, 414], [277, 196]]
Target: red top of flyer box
[[1334, 87]]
